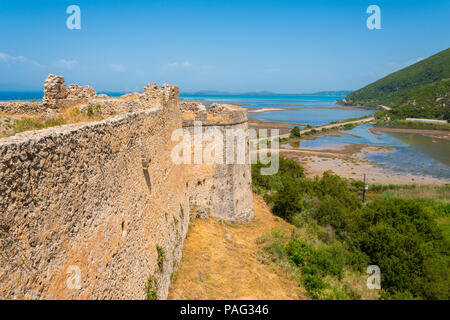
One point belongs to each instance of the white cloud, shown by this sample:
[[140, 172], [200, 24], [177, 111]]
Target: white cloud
[[117, 67], [6, 58], [185, 64], [65, 64]]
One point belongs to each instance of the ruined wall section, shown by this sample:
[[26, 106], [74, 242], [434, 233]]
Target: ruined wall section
[[106, 198], [56, 97], [221, 190], [22, 107], [78, 195]]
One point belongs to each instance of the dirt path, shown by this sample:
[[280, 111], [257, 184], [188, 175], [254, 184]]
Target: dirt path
[[328, 126], [219, 261], [334, 125]]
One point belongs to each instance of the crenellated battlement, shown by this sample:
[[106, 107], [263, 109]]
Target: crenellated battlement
[[101, 196]]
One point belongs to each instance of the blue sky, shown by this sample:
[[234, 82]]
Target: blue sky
[[277, 45]]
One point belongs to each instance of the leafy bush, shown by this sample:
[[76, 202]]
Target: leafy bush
[[398, 235], [288, 201], [298, 252], [316, 264], [314, 285], [295, 132], [401, 237]]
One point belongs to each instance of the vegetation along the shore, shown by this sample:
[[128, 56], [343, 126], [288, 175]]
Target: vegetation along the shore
[[337, 235], [403, 124]]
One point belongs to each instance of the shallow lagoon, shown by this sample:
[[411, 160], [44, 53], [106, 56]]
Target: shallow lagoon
[[413, 153]]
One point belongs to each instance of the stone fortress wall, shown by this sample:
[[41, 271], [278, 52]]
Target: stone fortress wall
[[94, 210]]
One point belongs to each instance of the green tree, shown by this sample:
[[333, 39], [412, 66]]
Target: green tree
[[295, 132], [288, 201]]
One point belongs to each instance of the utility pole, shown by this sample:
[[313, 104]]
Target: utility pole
[[366, 187]]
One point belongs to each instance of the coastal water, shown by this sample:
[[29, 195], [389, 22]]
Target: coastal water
[[412, 153], [21, 95], [37, 95], [313, 110]]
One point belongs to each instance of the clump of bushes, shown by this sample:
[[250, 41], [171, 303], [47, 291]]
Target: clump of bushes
[[92, 110], [398, 235], [295, 132]]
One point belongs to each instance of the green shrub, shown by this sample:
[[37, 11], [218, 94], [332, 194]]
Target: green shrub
[[26, 124], [314, 285], [398, 235], [161, 256], [298, 252], [288, 201], [401, 238], [334, 294], [295, 132], [150, 288], [93, 110]]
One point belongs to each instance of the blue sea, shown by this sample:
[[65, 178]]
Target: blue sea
[[320, 115], [37, 95]]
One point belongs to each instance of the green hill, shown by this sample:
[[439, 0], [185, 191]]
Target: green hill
[[422, 89]]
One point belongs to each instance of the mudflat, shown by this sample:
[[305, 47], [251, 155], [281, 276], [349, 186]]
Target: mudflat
[[438, 134]]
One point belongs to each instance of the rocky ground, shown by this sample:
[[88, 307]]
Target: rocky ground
[[349, 162]]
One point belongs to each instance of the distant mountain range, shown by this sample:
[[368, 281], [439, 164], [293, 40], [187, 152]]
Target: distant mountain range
[[265, 93], [423, 85]]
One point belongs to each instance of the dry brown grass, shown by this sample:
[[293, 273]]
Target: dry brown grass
[[219, 261], [73, 115], [21, 122], [217, 118], [188, 115], [440, 193]]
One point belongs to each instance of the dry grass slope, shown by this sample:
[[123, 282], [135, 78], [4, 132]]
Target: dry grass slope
[[219, 261]]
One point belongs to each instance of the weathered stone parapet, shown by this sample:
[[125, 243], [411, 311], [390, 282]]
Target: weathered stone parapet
[[224, 117], [152, 94], [76, 198], [22, 107], [192, 107], [57, 97], [76, 92], [54, 91], [106, 200], [222, 190]]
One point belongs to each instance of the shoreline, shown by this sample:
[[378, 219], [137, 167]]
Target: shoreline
[[262, 110], [284, 127], [348, 160], [437, 134]]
